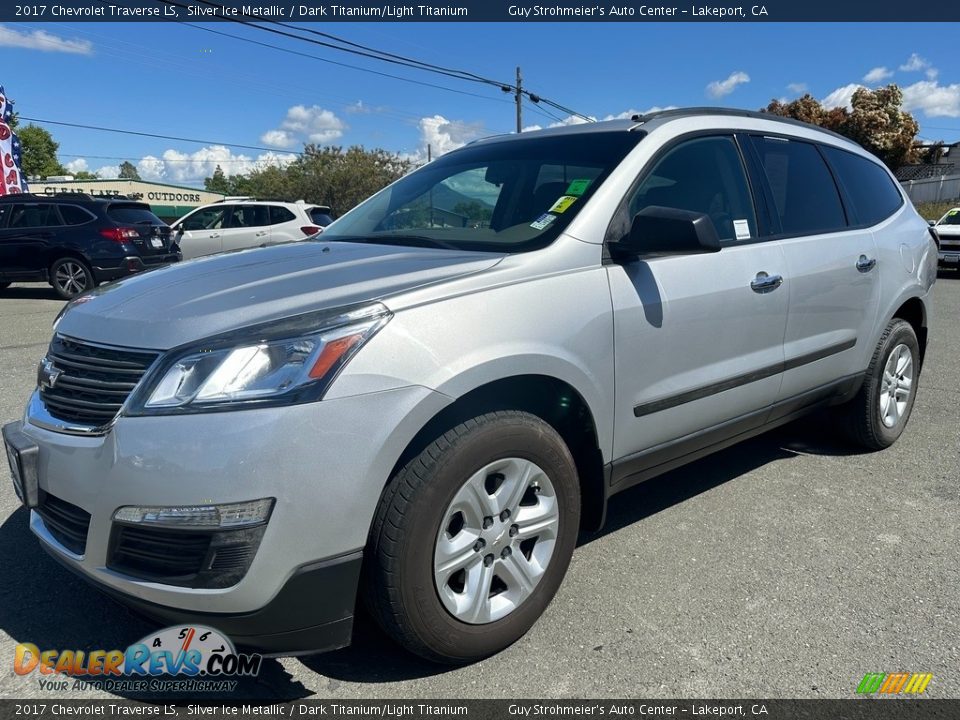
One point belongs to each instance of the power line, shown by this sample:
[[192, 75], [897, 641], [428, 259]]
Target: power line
[[340, 64], [156, 135], [383, 56]]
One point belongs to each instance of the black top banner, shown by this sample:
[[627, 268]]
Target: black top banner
[[518, 11]]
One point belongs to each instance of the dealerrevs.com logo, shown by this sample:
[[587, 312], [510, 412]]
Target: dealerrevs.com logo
[[181, 658]]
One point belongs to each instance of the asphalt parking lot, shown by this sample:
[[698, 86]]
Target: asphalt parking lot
[[784, 567]]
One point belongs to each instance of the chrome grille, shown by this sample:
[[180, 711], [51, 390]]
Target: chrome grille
[[84, 383]]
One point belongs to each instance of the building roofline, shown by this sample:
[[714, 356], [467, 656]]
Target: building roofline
[[115, 180]]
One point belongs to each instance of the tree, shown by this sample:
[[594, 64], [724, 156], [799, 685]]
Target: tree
[[321, 175], [876, 121], [218, 183], [128, 171], [39, 152], [85, 175]]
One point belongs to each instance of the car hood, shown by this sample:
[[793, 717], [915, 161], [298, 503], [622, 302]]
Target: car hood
[[189, 301], [950, 231]]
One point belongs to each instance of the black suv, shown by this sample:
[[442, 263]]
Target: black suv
[[75, 241]]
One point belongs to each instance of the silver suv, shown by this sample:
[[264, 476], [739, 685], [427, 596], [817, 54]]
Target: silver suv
[[422, 406]]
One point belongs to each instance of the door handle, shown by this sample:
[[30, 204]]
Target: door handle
[[764, 283], [865, 264], [214, 235], [261, 233]]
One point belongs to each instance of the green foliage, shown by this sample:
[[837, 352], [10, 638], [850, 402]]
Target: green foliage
[[935, 210], [876, 121], [84, 175], [334, 176], [128, 171], [39, 152]]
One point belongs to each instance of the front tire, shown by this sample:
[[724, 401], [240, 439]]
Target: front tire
[[880, 411], [71, 277], [472, 538]]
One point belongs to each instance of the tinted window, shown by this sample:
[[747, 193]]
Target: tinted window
[[280, 215], [31, 216], [244, 216], [804, 192], [133, 215], [870, 188], [320, 217], [210, 218], [704, 175], [74, 215]]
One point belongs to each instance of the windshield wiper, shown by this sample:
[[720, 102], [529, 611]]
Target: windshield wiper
[[413, 240]]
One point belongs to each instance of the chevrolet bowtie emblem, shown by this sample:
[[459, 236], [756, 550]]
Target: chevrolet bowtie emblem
[[47, 374]]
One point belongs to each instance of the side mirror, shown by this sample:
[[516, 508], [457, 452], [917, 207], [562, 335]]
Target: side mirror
[[931, 223], [660, 230]]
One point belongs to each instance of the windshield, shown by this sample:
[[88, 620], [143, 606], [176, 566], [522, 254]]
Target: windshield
[[508, 196], [951, 218]]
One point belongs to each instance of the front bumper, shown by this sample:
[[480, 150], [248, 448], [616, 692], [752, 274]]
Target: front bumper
[[325, 463], [949, 256]]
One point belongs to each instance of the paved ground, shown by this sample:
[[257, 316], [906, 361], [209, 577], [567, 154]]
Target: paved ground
[[784, 567]]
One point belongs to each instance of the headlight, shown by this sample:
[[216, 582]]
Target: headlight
[[287, 362]]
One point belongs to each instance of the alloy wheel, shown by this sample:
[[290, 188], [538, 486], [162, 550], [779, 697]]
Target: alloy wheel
[[896, 385]]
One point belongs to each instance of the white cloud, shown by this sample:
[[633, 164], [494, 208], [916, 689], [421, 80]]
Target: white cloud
[[841, 97], [42, 40], [721, 88], [934, 99], [878, 74], [178, 167], [797, 88], [75, 166], [932, 73], [108, 172], [914, 63], [444, 135], [305, 124]]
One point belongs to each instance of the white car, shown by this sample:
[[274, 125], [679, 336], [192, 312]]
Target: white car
[[238, 223], [948, 228]]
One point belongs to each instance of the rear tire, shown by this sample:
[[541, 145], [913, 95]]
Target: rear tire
[[71, 277], [877, 416], [498, 498]]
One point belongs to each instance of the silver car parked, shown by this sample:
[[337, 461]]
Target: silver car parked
[[422, 406]]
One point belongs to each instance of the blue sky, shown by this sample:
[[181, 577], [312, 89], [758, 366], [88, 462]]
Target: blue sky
[[178, 80]]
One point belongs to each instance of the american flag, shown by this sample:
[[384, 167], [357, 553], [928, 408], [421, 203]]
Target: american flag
[[11, 153]]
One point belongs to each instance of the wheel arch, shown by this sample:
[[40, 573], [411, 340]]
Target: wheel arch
[[555, 401], [914, 311]]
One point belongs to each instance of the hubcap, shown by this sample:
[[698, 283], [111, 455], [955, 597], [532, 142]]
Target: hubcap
[[71, 278], [495, 540], [896, 385]]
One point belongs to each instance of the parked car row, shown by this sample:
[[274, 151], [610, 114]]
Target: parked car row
[[76, 241]]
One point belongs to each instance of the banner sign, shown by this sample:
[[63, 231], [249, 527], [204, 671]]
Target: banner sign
[[635, 11], [12, 179]]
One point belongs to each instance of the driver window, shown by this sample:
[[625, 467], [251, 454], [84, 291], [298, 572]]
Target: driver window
[[703, 175]]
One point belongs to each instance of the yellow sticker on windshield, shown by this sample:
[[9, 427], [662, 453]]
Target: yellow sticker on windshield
[[562, 204]]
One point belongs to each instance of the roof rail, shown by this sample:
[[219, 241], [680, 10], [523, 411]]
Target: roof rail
[[732, 112]]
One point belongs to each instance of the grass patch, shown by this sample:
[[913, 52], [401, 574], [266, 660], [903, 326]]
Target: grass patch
[[935, 210]]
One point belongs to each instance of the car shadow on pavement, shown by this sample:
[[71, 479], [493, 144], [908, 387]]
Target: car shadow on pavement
[[29, 292], [45, 604], [809, 435]]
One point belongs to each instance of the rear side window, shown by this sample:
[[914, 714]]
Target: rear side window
[[804, 193], [280, 215], [33, 216], [133, 215], [870, 188], [244, 216], [704, 175], [75, 215]]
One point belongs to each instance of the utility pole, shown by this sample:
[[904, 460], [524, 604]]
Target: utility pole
[[519, 97]]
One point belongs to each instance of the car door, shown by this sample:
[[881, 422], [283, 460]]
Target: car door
[[247, 226], [200, 232], [25, 239], [832, 284], [284, 225], [698, 338]]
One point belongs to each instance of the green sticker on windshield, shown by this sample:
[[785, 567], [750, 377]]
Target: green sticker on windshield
[[952, 213], [578, 187]]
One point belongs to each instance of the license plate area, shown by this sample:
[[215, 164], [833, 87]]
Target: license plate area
[[22, 456]]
